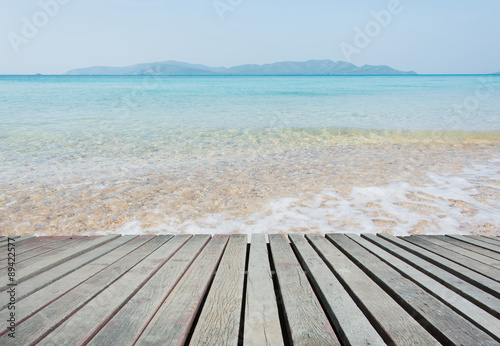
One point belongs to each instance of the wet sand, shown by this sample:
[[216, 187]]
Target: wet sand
[[393, 188]]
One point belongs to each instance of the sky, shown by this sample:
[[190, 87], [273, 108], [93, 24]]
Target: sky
[[425, 36]]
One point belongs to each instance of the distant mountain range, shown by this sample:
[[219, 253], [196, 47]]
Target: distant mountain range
[[177, 68]]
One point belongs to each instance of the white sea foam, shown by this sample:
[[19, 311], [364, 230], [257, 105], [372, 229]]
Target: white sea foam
[[446, 205]]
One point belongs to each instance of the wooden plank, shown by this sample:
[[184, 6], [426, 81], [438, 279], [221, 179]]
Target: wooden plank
[[471, 247], [22, 255], [491, 239], [35, 266], [306, 320], [481, 281], [479, 297], [24, 238], [173, 320], [476, 241], [38, 282], [126, 326], [392, 322], [41, 323], [6, 238], [487, 239], [459, 304], [219, 322], [484, 269], [76, 329], [462, 251], [352, 326], [262, 324], [33, 243], [36, 301], [17, 240], [445, 324]]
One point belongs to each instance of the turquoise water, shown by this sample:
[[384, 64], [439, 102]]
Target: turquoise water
[[66, 104], [92, 153], [137, 114]]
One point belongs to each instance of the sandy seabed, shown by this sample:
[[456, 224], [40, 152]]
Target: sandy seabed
[[431, 188]]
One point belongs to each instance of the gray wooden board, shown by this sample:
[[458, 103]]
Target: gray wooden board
[[477, 241], [80, 326], [18, 241], [262, 324], [173, 320], [33, 243], [395, 324], [478, 296], [36, 301], [28, 269], [481, 281], [38, 282], [5, 239], [305, 317], [42, 322], [22, 256], [468, 262], [471, 247], [447, 325], [462, 251], [464, 307], [21, 239], [487, 239], [351, 324], [219, 322], [126, 326], [491, 239]]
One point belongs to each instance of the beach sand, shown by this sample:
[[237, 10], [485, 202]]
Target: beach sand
[[415, 188]]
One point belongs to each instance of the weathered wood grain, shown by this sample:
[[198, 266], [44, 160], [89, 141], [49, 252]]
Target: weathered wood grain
[[477, 241], [151, 290], [126, 326], [262, 324], [446, 325], [43, 297], [490, 239], [481, 281], [468, 262], [23, 255], [38, 282], [173, 320], [461, 305], [34, 266], [394, 324], [81, 325], [5, 239], [42, 322], [219, 322], [479, 297], [461, 250], [350, 323], [471, 247], [30, 242], [487, 239], [305, 317]]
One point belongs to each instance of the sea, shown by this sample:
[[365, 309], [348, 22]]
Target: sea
[[250, 154]]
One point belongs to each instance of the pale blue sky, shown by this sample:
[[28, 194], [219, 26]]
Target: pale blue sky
[[427, 36]]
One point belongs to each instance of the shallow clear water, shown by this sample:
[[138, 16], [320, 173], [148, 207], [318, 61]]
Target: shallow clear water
[[80, 140]]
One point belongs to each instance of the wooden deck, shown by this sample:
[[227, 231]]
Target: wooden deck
[[314, 290]]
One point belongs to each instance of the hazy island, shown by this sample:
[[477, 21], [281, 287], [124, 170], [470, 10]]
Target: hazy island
[[307, 68]]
